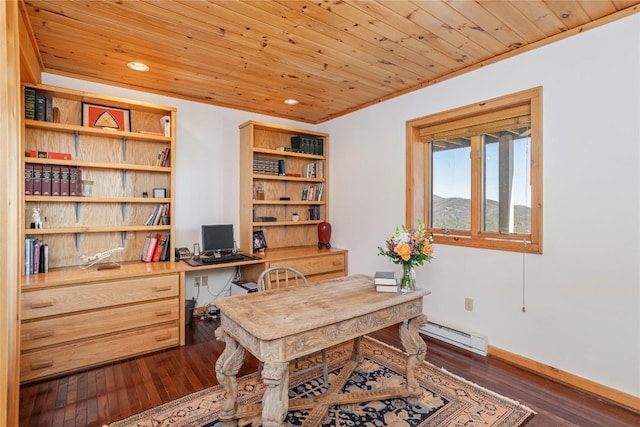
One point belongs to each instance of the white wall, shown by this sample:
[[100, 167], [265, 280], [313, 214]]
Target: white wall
[[582, 295]]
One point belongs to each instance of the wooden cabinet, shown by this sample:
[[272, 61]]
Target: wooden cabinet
[[74, 319], [122, 166], [316, 264]]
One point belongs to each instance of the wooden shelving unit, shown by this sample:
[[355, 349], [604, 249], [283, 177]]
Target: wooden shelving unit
[[289, 242], [262, 141], [121, 165], [73, 318]]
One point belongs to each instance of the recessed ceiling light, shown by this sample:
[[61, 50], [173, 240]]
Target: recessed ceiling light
[[291, 101], [138, 66]]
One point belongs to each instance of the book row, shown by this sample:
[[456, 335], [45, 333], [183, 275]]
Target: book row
[[268, 166], [307, 145], [279, 167], [314, 169], [51, 180], [156, 248], [314, 213], [312, 192], [39, 106], [36, 256], [163, 157], [160, 215]]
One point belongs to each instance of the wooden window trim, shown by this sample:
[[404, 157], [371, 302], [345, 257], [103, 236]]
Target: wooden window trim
[[418, 167]]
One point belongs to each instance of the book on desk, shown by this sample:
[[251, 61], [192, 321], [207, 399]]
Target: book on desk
[[385, 281]]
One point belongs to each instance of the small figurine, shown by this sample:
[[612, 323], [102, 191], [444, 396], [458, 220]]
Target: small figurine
[[91, 260], [37, 222]]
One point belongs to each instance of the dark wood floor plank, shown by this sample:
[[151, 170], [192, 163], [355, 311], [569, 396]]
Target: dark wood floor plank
[[26, 404], [47, 394], [112, 392], [153, 398]]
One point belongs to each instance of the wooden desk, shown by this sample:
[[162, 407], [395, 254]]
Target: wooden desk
[[281, 325]]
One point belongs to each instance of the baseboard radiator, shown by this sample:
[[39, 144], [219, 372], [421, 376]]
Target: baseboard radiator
[[468, 340]]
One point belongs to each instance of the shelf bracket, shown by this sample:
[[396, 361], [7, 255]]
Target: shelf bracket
[[124, 148], [123, 210], [78, 204], [123, 238], [77, 242], [124, 179], [76, 143]]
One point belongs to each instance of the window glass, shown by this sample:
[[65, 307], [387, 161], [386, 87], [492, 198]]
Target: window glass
[[475, 175], [506, 205], [451, 177]]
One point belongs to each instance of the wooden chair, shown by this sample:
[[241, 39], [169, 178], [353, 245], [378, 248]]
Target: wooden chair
[[282, 277]]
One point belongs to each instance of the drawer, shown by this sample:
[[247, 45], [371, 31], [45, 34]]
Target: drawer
[[317, 265], [56, 330], [81, 354], [55, 301]]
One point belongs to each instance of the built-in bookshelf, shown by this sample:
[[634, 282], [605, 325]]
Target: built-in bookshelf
[[95, 183], [123, 153], [284, 184]]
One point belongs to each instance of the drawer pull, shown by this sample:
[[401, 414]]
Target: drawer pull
[[163, 337], [42, 304], [162, 288], [41, 365], [163, 313], [41, 334]]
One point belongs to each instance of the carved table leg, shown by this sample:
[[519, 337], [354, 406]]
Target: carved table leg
[[227, 367], [416, 350], [356, 354], [276, 397]]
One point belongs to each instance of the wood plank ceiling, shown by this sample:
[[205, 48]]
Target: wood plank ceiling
[[334, 57]]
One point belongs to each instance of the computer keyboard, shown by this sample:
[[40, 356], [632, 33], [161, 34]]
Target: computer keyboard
[[222, 258]]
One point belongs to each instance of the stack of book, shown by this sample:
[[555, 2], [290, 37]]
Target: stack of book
[[156, 248], [385, 281]]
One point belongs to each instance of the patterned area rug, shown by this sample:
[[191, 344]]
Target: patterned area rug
[[447, 401]]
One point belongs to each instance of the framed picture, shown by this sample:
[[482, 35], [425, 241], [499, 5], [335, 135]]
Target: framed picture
[[259, 242], [159, 193], [100, 116]]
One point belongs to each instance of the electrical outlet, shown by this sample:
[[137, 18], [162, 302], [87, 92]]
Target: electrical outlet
[[468, 304], [205, 280], [196, 281]]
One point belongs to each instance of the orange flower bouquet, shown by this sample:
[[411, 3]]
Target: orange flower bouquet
[[410, 248]]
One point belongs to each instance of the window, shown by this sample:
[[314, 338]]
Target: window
[[474, 173]]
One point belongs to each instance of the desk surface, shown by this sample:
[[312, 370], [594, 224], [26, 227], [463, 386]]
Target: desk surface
[[281, 325], [270, 315]]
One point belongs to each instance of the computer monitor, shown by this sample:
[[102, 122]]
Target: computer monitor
[[218, 237]]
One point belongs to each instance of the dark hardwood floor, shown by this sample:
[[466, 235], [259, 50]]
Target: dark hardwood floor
[[109, 393]]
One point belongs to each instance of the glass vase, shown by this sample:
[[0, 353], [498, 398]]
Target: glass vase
[[408, 282]]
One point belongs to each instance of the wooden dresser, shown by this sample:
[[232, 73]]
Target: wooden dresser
[[77, 318]]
